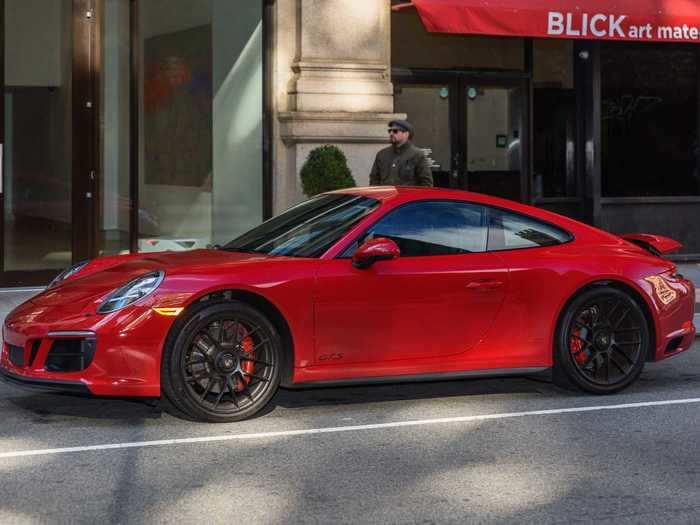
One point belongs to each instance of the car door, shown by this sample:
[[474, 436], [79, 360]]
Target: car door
[[439, 298]]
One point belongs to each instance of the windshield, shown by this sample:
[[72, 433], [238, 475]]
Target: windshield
[[306, 230]]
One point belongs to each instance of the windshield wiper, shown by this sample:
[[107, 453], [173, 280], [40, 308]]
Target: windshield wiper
[[239, 250]]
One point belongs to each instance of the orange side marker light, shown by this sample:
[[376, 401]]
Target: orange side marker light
[[169, 312]]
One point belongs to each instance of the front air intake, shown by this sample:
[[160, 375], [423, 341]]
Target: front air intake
[[70, 355], [16, 355], [673, 345]]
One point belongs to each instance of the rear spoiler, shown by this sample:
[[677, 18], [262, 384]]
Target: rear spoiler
[[656, 244]]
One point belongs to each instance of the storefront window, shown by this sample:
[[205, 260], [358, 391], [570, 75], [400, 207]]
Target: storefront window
[[650, 140], [554, 110], [37, 153], [200, 122], [115, 83]]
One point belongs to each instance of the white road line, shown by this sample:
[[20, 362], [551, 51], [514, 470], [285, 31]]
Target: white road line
[[31, 289], [332, 430]]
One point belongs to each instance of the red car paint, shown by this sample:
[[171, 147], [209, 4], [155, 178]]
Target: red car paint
[[407, 316], [657, 242]]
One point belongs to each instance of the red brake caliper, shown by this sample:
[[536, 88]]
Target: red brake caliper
[[576, 346], [247, 345]]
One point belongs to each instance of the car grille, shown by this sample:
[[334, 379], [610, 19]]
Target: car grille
[[70, 355]]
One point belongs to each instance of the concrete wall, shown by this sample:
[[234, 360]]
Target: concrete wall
[[669, 217], [331, 86]]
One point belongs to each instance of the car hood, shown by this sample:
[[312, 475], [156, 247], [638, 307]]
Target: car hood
[[105, 274]]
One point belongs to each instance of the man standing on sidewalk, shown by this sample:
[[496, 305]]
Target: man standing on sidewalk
[[401, 164]]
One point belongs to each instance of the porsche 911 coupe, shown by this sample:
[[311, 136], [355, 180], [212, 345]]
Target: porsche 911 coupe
[[358, 286]]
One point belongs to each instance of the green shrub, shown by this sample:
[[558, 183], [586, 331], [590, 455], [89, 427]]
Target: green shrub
[[326, 169]]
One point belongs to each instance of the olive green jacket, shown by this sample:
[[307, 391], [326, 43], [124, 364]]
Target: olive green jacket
[[402, 166]]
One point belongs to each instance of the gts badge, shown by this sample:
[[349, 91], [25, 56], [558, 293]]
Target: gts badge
[[330, 357]]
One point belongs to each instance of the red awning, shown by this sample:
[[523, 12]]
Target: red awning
[[635, 20]]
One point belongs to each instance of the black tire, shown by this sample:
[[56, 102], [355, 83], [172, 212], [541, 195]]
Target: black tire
[[221, 363], [601, 343]]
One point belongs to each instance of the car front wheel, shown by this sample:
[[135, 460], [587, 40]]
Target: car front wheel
[[223, 363]]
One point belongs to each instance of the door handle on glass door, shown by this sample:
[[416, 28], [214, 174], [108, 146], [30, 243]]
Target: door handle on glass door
[[484, 285]]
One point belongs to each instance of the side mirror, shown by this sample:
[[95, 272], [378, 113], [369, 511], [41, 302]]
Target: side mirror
[[379, 249]]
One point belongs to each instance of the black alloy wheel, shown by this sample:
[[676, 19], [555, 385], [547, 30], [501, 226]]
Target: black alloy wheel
[[224, 363], [602, 342]]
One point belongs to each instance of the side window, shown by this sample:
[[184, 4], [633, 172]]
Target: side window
[[433, 228], [511, 231]]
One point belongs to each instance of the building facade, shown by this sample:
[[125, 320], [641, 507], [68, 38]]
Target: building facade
[[144, 125]]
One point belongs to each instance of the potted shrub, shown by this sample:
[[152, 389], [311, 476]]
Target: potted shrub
[[326, 169]]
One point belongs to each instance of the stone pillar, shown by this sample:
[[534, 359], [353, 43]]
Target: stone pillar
[[339, 90]]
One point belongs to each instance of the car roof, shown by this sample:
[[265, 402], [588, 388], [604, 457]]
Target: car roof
[[384, 193], [403, 194]]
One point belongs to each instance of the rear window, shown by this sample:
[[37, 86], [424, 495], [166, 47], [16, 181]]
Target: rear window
[[512, 231]]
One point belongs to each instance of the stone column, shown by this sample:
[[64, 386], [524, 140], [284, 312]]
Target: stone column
[[339, 90]]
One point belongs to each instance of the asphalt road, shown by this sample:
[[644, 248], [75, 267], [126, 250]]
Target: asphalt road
[[488, 460]]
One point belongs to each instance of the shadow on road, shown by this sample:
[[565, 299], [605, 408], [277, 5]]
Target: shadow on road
[[657, 379]]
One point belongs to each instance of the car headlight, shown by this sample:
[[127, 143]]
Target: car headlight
[[65, 274], [131, 292]]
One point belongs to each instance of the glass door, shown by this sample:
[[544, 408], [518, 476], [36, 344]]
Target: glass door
[[472, 126], [428, 108], [493, 138], [48, 174]]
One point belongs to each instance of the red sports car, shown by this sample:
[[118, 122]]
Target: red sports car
[[358, 286]]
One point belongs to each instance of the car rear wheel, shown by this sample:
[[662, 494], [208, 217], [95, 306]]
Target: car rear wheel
[[223, 364], [602, 342]]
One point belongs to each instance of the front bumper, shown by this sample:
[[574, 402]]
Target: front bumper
[[44, 385], [105, 355]]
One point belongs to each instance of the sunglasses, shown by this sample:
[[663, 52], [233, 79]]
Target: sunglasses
[[395, 130]]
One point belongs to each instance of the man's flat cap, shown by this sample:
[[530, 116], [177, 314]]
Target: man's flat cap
[[403, 124]]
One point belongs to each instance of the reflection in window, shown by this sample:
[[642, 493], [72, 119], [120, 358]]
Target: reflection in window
[[650, 143], [494, 130], [200, 121], [510, 231], [306, 230], [38, 176], [434, 228]]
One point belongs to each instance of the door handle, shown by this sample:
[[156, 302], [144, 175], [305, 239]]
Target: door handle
[[484, 285]]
